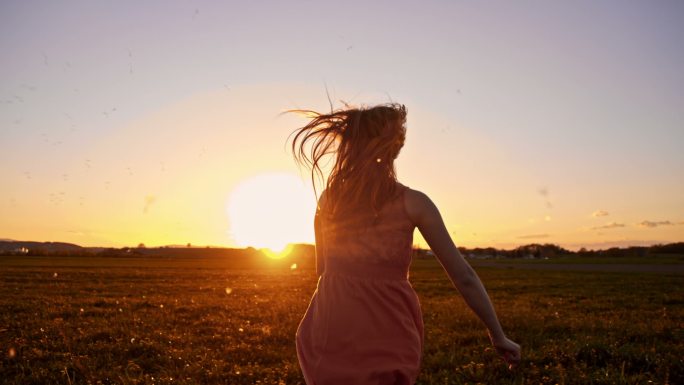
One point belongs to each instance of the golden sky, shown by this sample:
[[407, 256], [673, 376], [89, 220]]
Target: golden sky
[[522, 127]]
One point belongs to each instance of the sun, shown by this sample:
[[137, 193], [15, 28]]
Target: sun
[[271, 211]]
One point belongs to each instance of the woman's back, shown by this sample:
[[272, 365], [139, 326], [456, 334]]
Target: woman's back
[[364, 324], [364, 238]]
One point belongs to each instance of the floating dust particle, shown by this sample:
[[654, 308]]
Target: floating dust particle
[[293, 266], [229, 290], [11, 353]]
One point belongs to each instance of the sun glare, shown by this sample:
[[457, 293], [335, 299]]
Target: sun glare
[[270, 211]]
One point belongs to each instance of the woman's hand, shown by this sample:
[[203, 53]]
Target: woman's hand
[[508, 350]]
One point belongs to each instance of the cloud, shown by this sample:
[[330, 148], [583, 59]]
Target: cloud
[[149, 200], [610, 225], [532, 236], [652, 224], [600, 213]]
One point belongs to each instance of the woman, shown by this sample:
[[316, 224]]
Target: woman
[[364, 324]]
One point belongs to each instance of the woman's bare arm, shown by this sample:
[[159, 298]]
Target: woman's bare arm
[[429, 221], [320, 259]]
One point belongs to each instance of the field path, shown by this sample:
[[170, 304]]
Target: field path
[[617, 268]]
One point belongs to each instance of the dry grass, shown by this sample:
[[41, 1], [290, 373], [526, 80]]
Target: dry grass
[[165, 321]]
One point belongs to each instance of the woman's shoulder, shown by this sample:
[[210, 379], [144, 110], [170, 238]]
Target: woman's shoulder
[[412, 195], [416, 203]]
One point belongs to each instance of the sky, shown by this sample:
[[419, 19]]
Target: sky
[[528, 122]]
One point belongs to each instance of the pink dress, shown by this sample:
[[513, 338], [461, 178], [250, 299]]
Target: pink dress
[[364, 324]]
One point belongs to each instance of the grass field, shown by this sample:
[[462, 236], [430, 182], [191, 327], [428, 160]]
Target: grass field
[[206, 321], [664, 259]]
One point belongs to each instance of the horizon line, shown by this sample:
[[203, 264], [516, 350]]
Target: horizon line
[[573, 247]]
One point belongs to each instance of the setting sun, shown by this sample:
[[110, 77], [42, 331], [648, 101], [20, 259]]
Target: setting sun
[[270, 211]]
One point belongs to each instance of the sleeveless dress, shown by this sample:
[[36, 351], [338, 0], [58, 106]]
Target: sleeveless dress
[[363, 324]]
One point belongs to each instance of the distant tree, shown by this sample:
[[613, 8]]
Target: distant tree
[[536, 250], [670, 248], [188, 245], [141, 245]]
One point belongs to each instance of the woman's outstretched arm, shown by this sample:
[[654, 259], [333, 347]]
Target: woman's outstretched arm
[[429, 221]]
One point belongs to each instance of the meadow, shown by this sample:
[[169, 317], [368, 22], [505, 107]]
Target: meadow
[[214, 321]]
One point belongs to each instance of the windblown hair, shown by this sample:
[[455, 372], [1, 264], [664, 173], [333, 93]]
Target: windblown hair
[[364, 142]]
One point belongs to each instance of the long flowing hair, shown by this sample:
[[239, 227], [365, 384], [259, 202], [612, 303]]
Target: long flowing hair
[[364, 142]]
